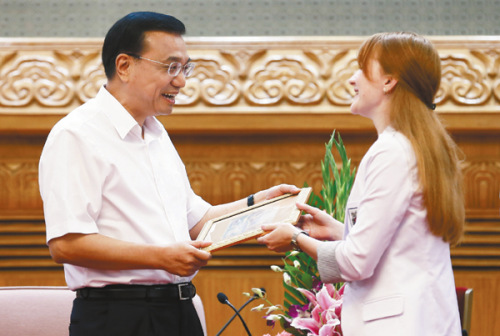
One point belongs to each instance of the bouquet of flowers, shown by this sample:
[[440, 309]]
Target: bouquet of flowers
[[311, 307]]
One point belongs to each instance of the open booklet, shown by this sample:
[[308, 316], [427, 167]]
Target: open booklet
[[242, 225]]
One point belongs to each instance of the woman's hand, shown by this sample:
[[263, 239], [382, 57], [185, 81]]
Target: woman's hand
[[318, 224], [278, 237]]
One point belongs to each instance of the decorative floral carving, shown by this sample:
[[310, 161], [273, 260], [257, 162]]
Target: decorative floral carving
[[19, 186], [37, 79], [201, 178], [291, 75], [326, 59], [339, 91], [284, 79], [491, 59], [336, 67], [462, 81], [92, 79], [86, 70], [481, 184], [76, 60], [242, 59], [212, 82]]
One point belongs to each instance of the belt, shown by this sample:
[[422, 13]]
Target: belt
[[170, 292]]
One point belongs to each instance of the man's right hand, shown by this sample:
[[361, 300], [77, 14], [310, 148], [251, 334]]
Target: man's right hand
[[102, 252], [185, 258]]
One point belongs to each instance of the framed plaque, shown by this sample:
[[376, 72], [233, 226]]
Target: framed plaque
[[242, 225]]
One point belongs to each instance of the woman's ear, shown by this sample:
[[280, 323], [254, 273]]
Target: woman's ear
[[123, 64], [389, 84]]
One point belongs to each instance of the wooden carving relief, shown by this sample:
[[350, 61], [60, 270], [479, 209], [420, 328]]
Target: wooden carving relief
[[229, 179], [284, 79], [55, 75], [57, 79], [292, 91], [463, 82], [211, 83], [19, 193], [481, 187]]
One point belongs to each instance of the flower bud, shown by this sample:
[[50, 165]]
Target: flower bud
[[258, 308], [287, 279], [273, 317], [259, 292], [271, 309]]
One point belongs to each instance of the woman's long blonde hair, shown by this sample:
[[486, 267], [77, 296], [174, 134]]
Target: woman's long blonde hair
[[415, 63]]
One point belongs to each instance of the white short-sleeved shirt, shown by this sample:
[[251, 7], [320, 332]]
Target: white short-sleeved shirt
[[99, 175]]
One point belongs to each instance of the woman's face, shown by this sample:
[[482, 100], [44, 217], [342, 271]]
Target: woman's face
[[369, 95]]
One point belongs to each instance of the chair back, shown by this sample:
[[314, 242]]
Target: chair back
[[464, 297], [46, 311], [40, 311], [198, 305]]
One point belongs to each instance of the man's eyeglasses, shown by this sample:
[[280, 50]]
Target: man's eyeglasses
[[173, 69]]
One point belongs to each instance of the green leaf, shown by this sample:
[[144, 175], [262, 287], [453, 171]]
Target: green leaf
[[338, 178]]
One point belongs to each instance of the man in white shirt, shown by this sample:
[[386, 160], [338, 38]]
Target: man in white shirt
[[119, 209]]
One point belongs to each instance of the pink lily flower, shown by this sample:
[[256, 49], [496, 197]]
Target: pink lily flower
[[306, 324], [325, 314]]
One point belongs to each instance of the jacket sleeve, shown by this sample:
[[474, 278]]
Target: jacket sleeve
[[328, 267], [387, 188]]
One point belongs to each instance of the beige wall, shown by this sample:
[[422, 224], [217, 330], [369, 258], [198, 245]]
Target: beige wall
[[92, 18]]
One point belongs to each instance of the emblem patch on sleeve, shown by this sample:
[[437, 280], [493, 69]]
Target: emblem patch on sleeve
[[353, 215]]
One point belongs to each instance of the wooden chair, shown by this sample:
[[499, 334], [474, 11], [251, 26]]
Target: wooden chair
[[464, 296], [45, 311]]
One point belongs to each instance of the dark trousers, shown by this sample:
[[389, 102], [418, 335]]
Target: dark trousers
[[134, 318]]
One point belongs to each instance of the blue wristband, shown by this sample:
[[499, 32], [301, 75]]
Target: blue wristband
[[250, 200]]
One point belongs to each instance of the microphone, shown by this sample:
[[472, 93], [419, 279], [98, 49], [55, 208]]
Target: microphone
[[224, 300], [254, 297]]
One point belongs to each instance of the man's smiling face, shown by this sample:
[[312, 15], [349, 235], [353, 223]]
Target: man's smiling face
[[153, 88]]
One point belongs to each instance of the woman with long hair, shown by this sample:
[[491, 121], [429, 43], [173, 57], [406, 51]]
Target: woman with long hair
[[406, 206]]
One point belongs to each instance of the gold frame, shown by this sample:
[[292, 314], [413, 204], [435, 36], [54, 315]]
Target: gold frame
[[242, 225]]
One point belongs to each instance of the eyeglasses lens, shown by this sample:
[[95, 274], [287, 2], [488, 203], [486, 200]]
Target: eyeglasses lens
[[175, 68]]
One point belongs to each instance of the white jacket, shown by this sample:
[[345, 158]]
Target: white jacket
[[399, 276]]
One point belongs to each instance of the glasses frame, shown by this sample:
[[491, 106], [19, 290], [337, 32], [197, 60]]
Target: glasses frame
[[173, 69]]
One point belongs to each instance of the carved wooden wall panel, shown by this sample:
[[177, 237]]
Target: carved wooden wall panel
[[241, 76], [257, 112]]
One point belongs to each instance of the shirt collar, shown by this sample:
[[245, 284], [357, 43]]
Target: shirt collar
[[154, 127], [122, 120]]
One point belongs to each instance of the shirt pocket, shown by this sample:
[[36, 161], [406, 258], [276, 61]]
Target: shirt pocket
[[383, 307]]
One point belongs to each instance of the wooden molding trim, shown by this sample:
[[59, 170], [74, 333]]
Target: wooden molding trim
[[266, 79]]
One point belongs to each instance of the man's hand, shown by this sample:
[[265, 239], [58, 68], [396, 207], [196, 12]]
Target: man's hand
[[275, 192], [185, 258], [223, 209], [102, 252]]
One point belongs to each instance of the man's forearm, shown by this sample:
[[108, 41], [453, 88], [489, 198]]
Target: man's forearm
[[101, 252]]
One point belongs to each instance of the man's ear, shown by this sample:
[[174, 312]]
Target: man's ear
[[123, 64], [390, 84]]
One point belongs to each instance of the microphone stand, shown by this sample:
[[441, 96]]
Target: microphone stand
[[237, 313], [224, 300]]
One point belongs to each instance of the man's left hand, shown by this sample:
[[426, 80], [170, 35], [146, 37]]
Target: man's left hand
[[275, 192]]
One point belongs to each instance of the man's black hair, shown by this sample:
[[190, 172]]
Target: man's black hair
[[127, 35]]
